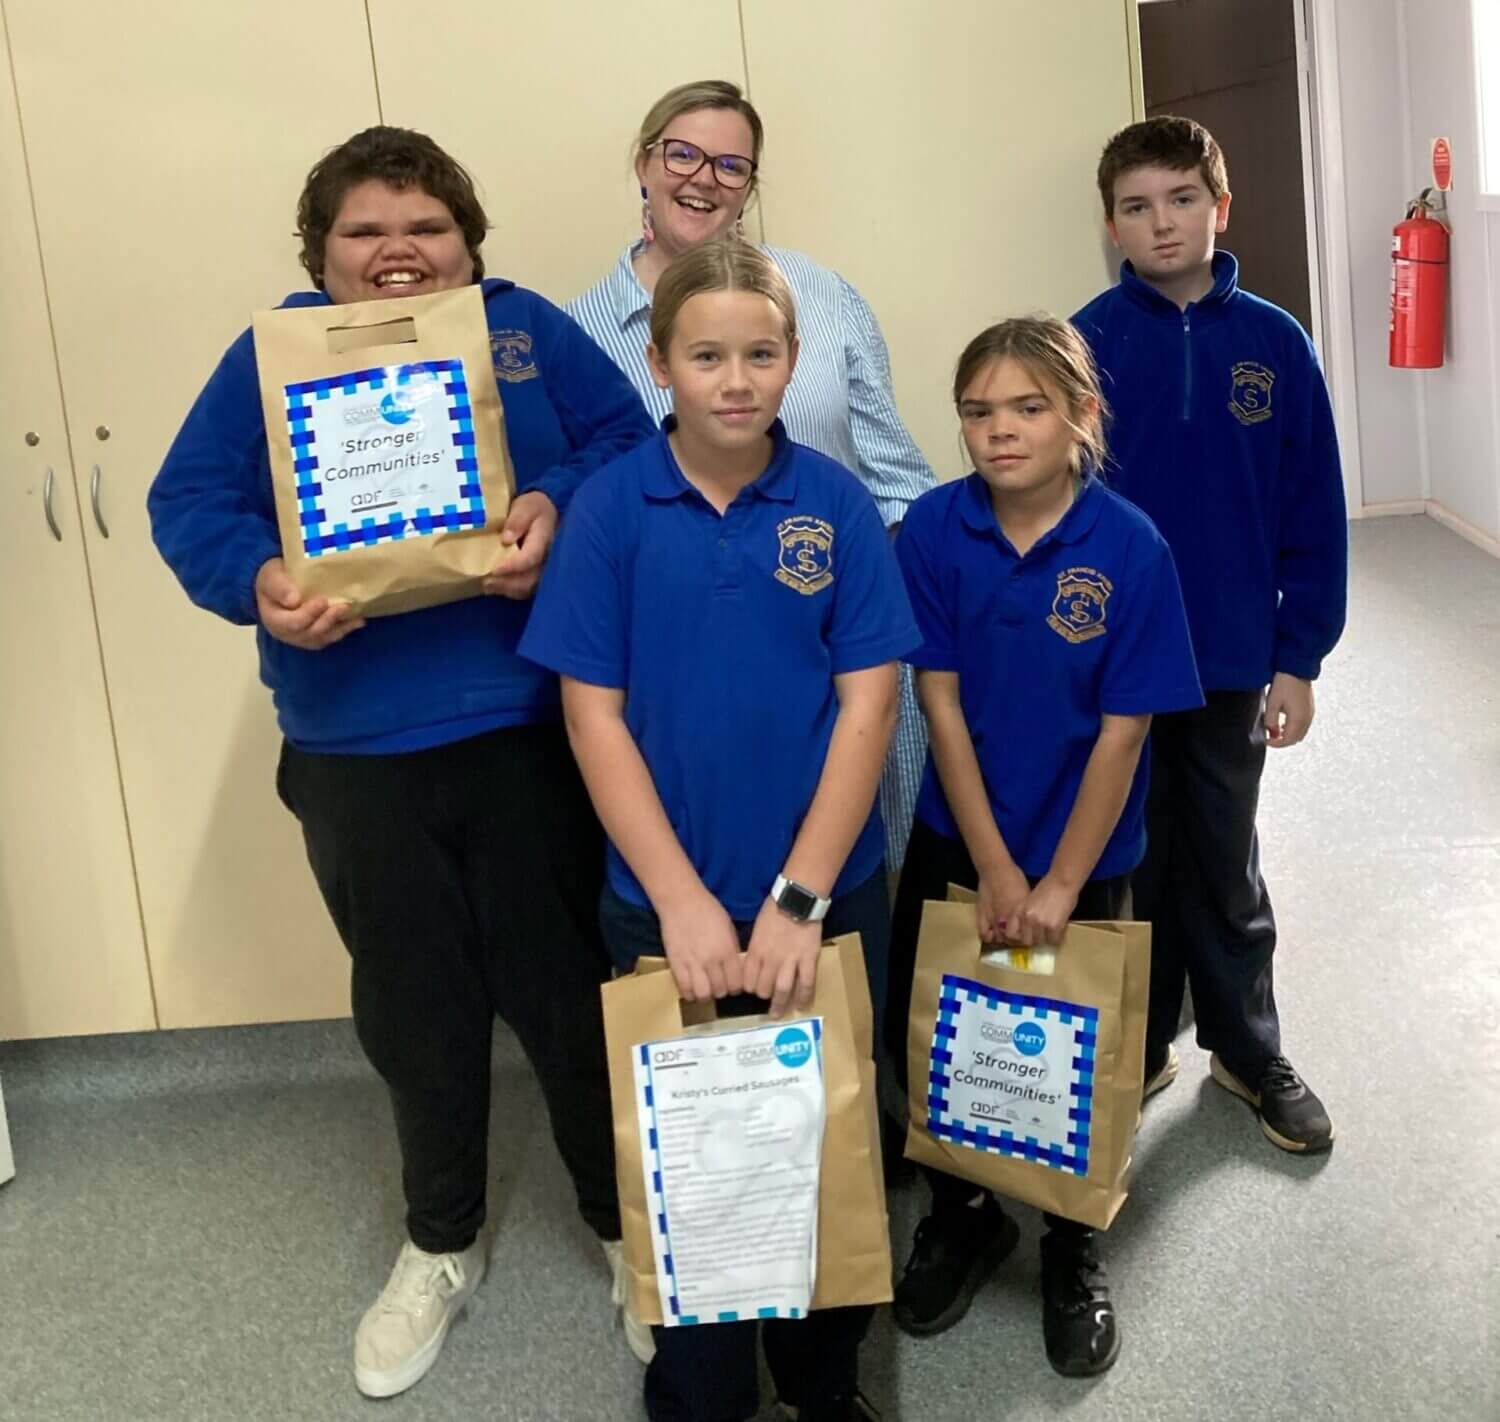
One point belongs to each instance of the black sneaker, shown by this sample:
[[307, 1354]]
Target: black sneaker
[[1078, 1320], [1290, 1114], [952, 1254]]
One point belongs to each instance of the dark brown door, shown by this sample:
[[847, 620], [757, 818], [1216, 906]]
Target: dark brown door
[[1232, 65]]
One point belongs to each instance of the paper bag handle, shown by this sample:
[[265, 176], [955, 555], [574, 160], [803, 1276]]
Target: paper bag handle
[[694, 1014], [1041, 961], [400, 332]]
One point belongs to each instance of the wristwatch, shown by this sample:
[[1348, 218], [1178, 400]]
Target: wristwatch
[[797, 901]]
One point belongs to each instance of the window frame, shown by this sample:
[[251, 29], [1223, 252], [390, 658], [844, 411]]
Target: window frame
[[1484, 29]]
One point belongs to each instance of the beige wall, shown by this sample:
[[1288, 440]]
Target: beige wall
[[939, 155]]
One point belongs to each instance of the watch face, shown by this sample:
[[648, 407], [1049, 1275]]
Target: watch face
[[797, 901]]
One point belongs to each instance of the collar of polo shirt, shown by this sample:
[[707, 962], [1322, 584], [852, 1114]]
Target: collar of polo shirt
[[664, 478], [979, 513]]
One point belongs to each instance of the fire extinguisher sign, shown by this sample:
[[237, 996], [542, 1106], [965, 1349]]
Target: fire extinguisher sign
[[1442, 165]]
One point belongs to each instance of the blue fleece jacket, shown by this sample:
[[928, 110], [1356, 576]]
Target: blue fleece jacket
[[416, 679], [1223, 435]]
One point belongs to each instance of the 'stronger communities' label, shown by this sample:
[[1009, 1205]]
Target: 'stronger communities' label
[[383, 454], [1013, 1074]]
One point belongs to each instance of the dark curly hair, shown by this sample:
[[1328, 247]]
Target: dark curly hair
[[401, 157]]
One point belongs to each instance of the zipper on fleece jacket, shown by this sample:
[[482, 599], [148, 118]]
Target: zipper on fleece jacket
[[1187, 367]]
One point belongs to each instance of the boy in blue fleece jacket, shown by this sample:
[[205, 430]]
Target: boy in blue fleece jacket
[[444, 817], [1223, 435]]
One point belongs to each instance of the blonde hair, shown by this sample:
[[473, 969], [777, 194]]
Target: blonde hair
[[1055, 354], [725, 264], [688, 98]]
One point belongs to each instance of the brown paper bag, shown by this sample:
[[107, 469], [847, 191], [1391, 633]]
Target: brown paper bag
[[388, 453], [1029, 1083], [854, 1246]]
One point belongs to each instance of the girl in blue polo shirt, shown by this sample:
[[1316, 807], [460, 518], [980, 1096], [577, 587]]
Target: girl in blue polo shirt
[[1052, 628], [726, 613]]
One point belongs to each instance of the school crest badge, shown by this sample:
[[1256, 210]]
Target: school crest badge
[[511, 351], [806, 558], [1078, 609], [1250, 392]]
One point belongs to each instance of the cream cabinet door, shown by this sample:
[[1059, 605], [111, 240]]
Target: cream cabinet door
[[168, 141], [540, 103], [942, 158], [71, 955]]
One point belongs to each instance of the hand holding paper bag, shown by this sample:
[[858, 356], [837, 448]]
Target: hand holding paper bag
[[527, 537], [702, 948], [781, 962], [1001, 893], [1042, 916], [309, 623]]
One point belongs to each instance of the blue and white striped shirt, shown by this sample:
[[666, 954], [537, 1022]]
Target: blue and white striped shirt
[[839, 402]]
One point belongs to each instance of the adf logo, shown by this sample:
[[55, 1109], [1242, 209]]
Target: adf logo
[[806, 561], [1078, 609], [1250, 392]]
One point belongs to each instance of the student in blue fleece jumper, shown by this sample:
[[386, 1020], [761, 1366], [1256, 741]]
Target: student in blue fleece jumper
[[444, 817], [1224, 436]]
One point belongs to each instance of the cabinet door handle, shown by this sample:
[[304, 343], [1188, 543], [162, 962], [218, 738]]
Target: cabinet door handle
[[47, 505], [94, 499]]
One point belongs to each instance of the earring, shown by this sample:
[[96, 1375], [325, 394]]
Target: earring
[[648, 232], [739, 228]]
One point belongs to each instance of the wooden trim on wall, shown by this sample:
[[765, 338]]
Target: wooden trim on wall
[[1137, 68]]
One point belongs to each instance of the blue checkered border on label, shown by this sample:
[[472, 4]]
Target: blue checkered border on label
[[1071, 1155], [338, 537], [656, 1204]]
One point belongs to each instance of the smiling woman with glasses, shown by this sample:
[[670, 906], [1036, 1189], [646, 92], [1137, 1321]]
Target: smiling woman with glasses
[[697, 160]]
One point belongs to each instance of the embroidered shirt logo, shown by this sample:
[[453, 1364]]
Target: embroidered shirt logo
[[806, 559], [511, 351], [1250, 392], [1078, 609]]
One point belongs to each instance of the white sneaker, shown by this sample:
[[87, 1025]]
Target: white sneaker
[[402, 1333], [1163, 1076], [637, 1334]]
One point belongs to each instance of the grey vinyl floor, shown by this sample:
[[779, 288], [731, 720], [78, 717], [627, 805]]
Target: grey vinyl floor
[[201, 1217]]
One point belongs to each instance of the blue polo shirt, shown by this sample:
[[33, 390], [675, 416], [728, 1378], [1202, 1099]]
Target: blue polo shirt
[[1090, 622], [726, 633]]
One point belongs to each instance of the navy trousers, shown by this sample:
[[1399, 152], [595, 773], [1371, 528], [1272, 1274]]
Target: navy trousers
[[1200, 884]]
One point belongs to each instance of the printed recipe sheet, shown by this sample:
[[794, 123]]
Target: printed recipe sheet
[[731, 1135]]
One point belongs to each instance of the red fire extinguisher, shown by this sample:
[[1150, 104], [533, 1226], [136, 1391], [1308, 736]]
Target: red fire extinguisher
[[1419, 287]]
